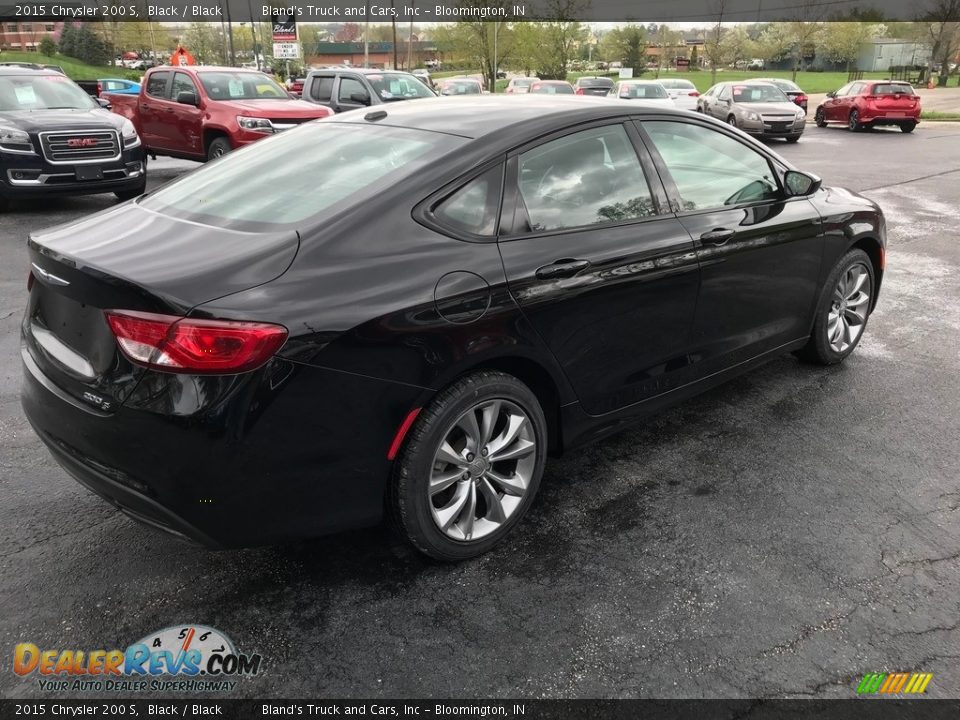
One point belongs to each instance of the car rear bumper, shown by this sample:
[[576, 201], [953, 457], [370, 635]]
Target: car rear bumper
[[286, 452], [889, 119]]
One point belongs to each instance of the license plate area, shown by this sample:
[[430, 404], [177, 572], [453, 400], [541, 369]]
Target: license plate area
[[89, 172]]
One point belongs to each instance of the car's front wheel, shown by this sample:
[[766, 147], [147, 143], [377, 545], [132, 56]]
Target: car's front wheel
[[843, 310], [470, 467], [218, 148], [820, 118]]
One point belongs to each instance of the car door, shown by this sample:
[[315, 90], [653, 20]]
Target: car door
[[832, 106], [186, 125], [720, 107], [598, 265], [347, 87], [151, 109], [759, 250]]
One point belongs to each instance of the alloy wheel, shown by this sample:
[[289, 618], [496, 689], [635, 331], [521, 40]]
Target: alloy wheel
[[482, 469], [848, 309], [854, 121]]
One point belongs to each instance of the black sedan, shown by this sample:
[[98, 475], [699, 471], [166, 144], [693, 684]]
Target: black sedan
[[405, 311]]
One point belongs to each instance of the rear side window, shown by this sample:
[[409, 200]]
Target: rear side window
[[587, 178], [157, 84], [322, 88], [711, 169], [474, 207], [296, 175]]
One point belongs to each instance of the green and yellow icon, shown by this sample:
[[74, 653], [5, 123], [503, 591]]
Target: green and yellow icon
[[894, 683]]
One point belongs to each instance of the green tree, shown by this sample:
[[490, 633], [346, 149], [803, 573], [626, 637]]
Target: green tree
[[627, 45], [205, 42], [840, 42], [775, 42], [48, 46]]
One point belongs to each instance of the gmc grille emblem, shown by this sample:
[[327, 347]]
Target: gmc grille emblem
[[81, 142]]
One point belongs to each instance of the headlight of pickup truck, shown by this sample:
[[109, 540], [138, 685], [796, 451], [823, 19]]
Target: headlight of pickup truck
[[255, 124], [13, 140], [129, 133]]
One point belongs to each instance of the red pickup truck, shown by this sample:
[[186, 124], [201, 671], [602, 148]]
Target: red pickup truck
[[200, 113]]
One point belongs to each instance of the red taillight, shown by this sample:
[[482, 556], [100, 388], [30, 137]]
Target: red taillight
[[800, 99], [183, 345], [99, 88], [870, 97], [30, 281], [694, 94], [578, 91]]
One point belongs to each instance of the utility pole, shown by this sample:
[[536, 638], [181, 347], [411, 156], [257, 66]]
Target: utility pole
[[410, 39], [366, 35], [493, 84], [393, 27]]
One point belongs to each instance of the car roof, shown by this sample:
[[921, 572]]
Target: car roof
[[14, 69], [638, 81], [483, 115]]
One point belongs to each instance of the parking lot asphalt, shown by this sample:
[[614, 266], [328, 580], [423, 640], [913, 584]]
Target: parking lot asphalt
[[778, 537]]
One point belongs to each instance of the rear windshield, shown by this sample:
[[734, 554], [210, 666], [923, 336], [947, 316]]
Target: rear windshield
[[461, 87], [296, 175], [395, 86], [643, 91], [42, 92], [241, 86], [678, 84], [560, 89], [596, 82], [786, 85], [892, 89], [523, 82], [758, 94]]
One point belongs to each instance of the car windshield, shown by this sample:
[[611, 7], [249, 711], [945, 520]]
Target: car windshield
[[523, 82], [892, 89], [42, 92], [758, 94], [550, 89], [461, 87], [643, 91], [596, 82], [296, 175], [241, 86], [391, 87]]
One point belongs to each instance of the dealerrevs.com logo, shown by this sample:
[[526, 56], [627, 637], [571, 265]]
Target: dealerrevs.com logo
[[191, 658]]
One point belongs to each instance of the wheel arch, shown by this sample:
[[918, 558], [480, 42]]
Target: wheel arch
[[212, 133], [875, 251]]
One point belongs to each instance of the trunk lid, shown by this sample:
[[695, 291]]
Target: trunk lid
[[132, 259], [894, 99]]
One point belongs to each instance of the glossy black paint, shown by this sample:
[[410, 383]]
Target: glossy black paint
[[384, 309]]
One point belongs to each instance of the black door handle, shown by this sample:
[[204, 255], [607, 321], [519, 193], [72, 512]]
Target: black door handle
[[562, 269], [717, 236]]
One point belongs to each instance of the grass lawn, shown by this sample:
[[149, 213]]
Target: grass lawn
[[75, 69], [943, 116]]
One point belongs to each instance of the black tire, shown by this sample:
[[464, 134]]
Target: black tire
[[908, 127], [818, 349], [853, 121], [792, 138], [4, 204], [410, 503], [124, 195], [732, 121], [820, 118], [218, 148]]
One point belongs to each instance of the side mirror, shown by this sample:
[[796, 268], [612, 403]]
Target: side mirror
[[832, 94], [185, 97], [360, 97], [104, 103], [799, 183]]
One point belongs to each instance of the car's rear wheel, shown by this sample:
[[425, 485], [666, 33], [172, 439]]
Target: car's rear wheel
[[820, 118], [470, 466], [853, 122], [218, 148], [843, 310], [908, 127]]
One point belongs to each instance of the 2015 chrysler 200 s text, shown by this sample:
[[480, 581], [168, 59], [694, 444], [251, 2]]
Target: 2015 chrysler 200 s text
[[409, 309]]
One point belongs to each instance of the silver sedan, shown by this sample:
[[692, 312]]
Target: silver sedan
[[758, 108]]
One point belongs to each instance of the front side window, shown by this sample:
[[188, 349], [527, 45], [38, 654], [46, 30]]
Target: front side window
[[587, 178], [710, 169], [182, 83], [843, 91], [474, 207], [350, 87], [288, 178], [157, 84]]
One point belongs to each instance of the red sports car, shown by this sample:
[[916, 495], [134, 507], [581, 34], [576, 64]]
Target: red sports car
[[867, 103]]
